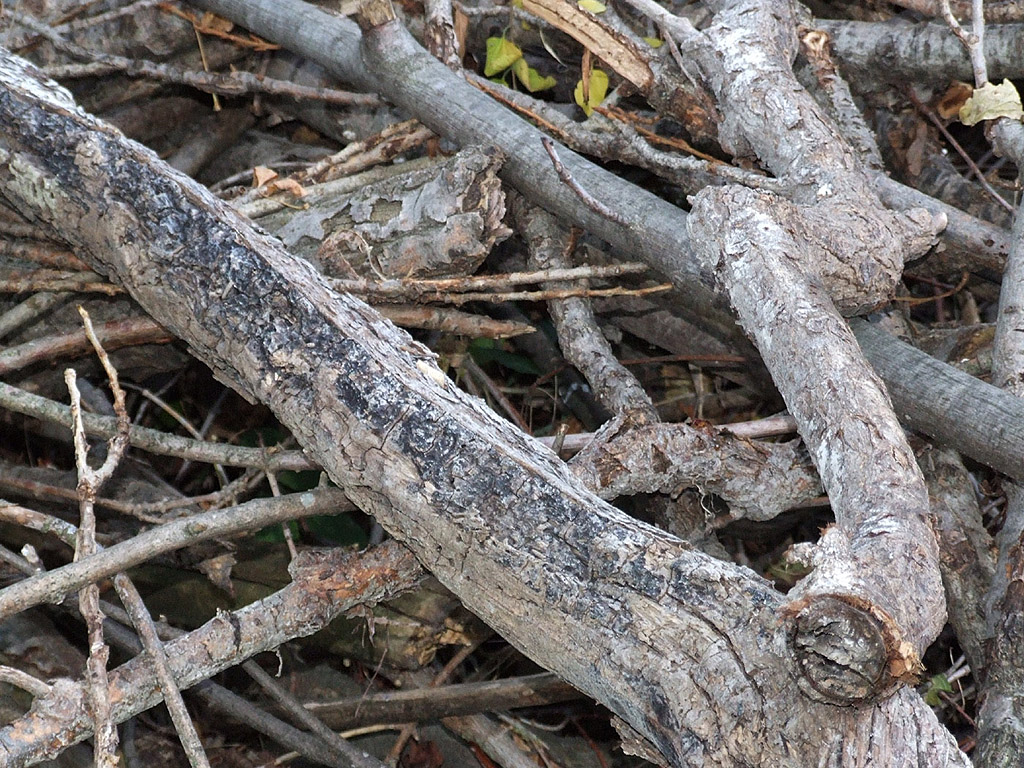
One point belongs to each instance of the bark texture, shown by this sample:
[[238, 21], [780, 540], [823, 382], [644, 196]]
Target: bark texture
[[790, 266], [439, 219], [691, 652], [655, 231]]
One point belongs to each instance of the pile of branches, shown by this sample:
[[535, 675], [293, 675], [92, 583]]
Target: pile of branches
[[708, 402]]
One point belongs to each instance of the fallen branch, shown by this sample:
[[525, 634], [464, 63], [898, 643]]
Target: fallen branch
[[411, 78], [54, 585], [618, 608], [322, 589]]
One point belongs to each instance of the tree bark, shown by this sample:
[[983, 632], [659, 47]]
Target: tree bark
[[655, 231], [692, 653]]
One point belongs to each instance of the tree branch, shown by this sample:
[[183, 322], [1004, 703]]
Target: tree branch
[[618, 608]]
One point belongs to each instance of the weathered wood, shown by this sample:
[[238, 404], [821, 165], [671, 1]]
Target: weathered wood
[[948, 403], [433, 218], [873, 602], [319, 591], [691, 652], [656, 232]]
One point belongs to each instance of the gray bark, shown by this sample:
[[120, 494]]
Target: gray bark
[[656, 231], [691, 652], [924, 53], [874, 601]]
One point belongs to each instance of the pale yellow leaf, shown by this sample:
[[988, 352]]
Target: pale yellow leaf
[[597, 91], [990, 102], [501, 54]]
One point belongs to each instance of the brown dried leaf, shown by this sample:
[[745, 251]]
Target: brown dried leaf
[[261, 175]]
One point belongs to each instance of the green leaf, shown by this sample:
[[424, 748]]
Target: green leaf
[[531, 78], [263, 437], [297, 482], [501, 54], [654, 42], [486, 351], [598, 90], [592, 5], [938, 684], [340, 530]]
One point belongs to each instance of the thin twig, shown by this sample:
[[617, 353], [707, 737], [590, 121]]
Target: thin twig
[[226, 83], [481, 377], [398, 287], [146, 512], [355, 157], [89, 483], [173, 413], [28, 283], [146, 630], [45, 253], [130, 597], [421, 704], [320, 590], [924, 110], [28, 310], [153, 440], [51, 586], [23, 680], [452, 321], [286, 529], [589, 200], [972, 40], [446, 672], [499, 297], [128, 331], [357, 757]]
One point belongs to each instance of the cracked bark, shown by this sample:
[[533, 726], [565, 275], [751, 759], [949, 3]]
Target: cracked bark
[[757, 480], [874, 600], [691, 652], [395, 66]]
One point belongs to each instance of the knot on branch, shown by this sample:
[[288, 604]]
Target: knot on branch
[[850, 653], [853, 246]]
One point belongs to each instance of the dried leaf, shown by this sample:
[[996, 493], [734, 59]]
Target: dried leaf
[[212, 22], [261, 175], [291, 185], [218, 571], [586, 66], [461, 25], [990, 102], [547, 47], [953, 99]]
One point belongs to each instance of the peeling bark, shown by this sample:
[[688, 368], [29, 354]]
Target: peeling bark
[[758, 481], [437, 219]]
